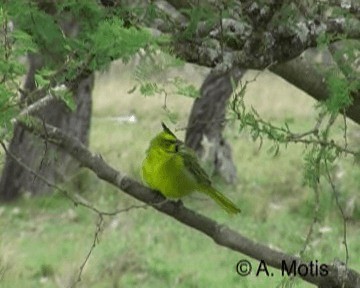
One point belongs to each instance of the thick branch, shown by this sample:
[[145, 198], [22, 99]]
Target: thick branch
[[258, 36], [250, 34], [353, 6], [304, 72], [221, 234]]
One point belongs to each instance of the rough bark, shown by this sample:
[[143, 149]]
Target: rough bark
[[206, 124], [44, 157], [256, 35], [308, 72]]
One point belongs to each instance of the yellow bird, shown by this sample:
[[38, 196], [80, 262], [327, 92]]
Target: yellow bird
[[173, 169]]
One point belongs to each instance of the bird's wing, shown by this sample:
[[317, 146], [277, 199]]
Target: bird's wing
[[192, 165]]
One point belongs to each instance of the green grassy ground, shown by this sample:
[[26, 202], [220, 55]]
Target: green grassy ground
[[45, 240]]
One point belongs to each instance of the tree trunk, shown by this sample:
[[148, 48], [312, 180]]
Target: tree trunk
[[45, 158], [206, 124]]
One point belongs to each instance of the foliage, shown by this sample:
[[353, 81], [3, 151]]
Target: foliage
[[103, 36], [111, 41], [142, 247], [151, 76], [90, 44], [198, 14], [321, 151], [184, 89]]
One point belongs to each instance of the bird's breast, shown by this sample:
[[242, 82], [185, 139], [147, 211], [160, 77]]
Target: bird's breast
[[167, 174]]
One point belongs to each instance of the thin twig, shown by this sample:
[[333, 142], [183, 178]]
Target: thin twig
[[96, 240], [345, 128], [316, 208], [341, 210], [7, 44], [267, 128], [221, 32], [45, 144], [76, 202], [328, 144], [314, 221]]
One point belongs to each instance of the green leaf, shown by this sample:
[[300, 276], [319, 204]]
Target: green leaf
[[132, 90], [274, 149], [41, 81], [172, 116], [185, 89], [340, 93], [24, 43], [149, 89], [152, 63], [195, 15], [66, 96], [112, 41]]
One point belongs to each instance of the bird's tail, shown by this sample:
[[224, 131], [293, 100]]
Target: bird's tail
[[222, 200]]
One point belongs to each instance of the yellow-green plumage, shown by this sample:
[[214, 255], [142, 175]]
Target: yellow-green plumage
[[173, 169]]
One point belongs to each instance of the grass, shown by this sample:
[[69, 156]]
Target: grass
[[45, 240]]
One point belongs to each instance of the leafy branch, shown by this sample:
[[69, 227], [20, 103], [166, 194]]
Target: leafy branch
[[260, 128], [65, 59], [322, 151]]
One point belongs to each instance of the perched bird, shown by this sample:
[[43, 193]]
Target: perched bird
[[173, 169]]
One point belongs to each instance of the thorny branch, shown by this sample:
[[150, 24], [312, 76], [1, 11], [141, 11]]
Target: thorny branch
[[316, 183], [283, 135], [312, 137]]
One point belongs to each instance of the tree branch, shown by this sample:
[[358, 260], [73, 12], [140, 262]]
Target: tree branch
[[77, 200], [339, 276], [36, 106], [257, 33], [308, 72]]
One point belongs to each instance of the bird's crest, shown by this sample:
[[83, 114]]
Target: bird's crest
[[167, 130]]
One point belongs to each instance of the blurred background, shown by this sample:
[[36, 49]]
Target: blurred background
[[44, 240]]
